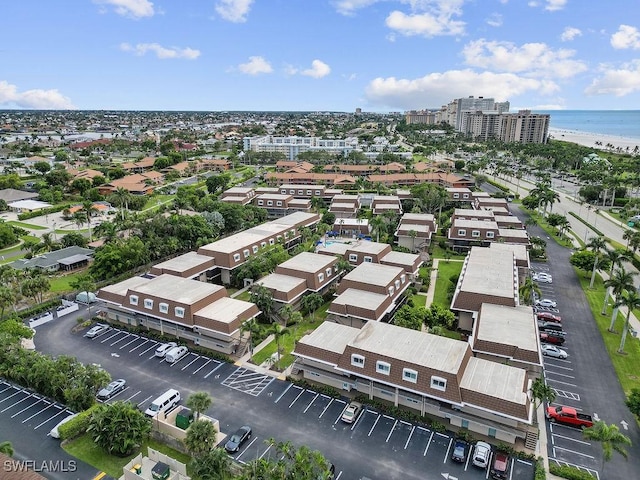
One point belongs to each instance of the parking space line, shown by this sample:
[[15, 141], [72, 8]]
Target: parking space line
[[247, 448], [565, 394], [8, 387], [342, 412], [446, 455], [120, 339], [392, 429], [202, 366], [27, 407], [208, 374], [572, 451], [428, 444], [38, 412], [150, 348], [572, 439], [62, 410], [357, 419], [311, 403], [14, 404], [326, 407], [195, 359], [560, 374], [135, 394], [409, 439], [117, 332], [142, 401], [180, 359], [284, 393], [135, 337], [374, 425], [563, 383], [13, 395], [557, 366], [296, 399], [265, 452], [562, 404], [143, 343], [579, 467]]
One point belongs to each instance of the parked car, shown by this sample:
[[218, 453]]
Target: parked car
[[97, 330], [481, 454], [546, 303], [550, 327], [542, 277], [351, 413], [162, 350], [553, 351], [175, 354], [55, 433], [237, 439], [500, 466], [548, 317], [569, 416], [460, 449], [554, 338], [110, 390]]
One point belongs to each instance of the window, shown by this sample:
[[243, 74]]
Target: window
[[308, 192], [148, 303], [464, 423], [410, 375], [246, 253], [438, 383], [179, 312], [491, 234], [318, 193], [300, 192], [283, 191], [260, 203], [357, 360], [236, 257], [329, 272], [321, 277], [292, 192], [491, 433], [163, 307], [254, 249], [465, 195], [353, 257], [286, 235], [263, 244], [475, 233], [279, 203], [403, 278], [279, 238], [293, 231], [269, 203], [397, 284], [133, 299], [456, 195], [462, 233], [368, 259], [391, 291], [271, 241], [383, 367]]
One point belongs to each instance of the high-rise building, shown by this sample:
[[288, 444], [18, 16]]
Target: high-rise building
[[426, 117], [525, 127]]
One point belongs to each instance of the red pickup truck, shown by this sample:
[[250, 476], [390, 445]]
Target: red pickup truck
[[569, 416]]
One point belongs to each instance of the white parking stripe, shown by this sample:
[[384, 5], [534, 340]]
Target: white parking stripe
[[152, 347], [392, 429], [142, 401], [409, 439], [39, 412], [295, 399], [135, 337], [559, 374], [428, 444], [311, 403], [572, 439], [8, 387], [51, 418], [572, 451], [201, 367], [265, 452], [195, 359], [120, 339], [143, 343], [17, 403], [374, 425], [207, 375], [246, 448], [326, 407], [446, 455], [109, 338], [563, 383], [135, 394], [27, 407], [283, 393], [12, 395]]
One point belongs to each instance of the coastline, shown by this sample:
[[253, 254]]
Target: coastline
[[589, 139]]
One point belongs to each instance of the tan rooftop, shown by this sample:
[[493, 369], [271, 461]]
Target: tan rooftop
[[179, 290], [480, 376]]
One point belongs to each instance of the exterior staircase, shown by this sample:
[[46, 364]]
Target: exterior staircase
[[531, 440]]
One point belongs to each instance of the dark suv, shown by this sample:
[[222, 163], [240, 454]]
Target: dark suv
[[460, 449]]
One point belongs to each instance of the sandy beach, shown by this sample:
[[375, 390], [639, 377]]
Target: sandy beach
[[589, 140]]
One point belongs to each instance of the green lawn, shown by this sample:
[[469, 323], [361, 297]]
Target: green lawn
[[625, 365], [61, 284], [437, 252], [156, 200], [84, 449], [287, 342], [29, 226], [246, 296], [445, 271], [419, 300]]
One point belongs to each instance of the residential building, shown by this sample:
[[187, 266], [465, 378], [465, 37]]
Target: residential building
[[386, 203], [525, 127], [278, 205], [459, 194], [289, 165], [352, 227], [65, 259], [491, 203], [238, 195], [415, 229], [185, 308], [439, 178], [482, 227], [309, 191], [425, 117], [345, 206], [309, 178], [11, 195], [139, 166], [426, 373], [292, 146], [190, 265]]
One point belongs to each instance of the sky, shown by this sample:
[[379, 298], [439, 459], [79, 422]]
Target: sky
[[318, 55]]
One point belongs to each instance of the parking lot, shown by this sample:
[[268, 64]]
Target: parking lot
[[566, 443]]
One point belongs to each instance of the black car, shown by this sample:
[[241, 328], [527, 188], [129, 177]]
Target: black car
[[551, 327], [237, 439], [460, 449]]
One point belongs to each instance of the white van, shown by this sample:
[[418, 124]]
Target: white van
[[164, 402], [175, 354]]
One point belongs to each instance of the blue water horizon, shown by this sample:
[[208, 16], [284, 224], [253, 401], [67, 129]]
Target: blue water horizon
[[619, 123]]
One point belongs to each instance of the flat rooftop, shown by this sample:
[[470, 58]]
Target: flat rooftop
[[247, 238], [470, 212], [424, 217], [373, 274], [333, 248], [308, 262], [176, 289], [509, 326], [281, 283], [184, 262], [225, 310], [400, 257], [480, 224], [489, 272], [352, 297], [330, 336], [480, 376], [513, 233], [122, 287], [407, 227], [366, 246]]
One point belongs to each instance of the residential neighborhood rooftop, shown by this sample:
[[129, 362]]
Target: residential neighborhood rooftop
[[180, 290], [508, 325], [331, 336], [480, 376], [373, 274]]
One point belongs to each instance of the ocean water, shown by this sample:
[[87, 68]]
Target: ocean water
[[621, 123]]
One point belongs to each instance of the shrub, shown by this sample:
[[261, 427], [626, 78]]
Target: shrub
[[571, 473], [540, 472], [76, 426]]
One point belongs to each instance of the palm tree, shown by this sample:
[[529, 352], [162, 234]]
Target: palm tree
[[596, 244], [413, 234], [201, 438], [253, 328], [123, 196], [278, 331], [527, 291], [609, 437], [631, 300], [6, 448], [615, 258], [84, 283], [88, 209], [627, 235], [377, 223], [199, 402], [214, 465], [541, 392], [618, 282]]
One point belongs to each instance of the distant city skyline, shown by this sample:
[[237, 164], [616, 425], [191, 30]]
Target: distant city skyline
[[318, 55]]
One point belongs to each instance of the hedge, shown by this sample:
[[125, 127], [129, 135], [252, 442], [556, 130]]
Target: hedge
[[571, 473], [42, 307], [44, 211], [77, 425]]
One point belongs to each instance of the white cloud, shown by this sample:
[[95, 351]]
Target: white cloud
[[255, 66], [618, 82], [130, 8], [348, 7], [536, 59], [163, 53], [494, 20], [570, 33], [235, 11], [626, 37], [553, 5], [439, 88], [429, 18], [318, 69], [36, 98]]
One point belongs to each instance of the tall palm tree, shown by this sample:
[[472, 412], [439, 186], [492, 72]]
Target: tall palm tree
[[527, 291], [618, 282], [377, 223], [253, 328], [278, 331], [631, 300], [596, 244], [199, 402], [123, 197], [541, 392], [615, 258], [609, 437], [88, 210]]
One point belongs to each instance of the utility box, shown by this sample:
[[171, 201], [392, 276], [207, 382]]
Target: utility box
[[160, 471], [184, 418]]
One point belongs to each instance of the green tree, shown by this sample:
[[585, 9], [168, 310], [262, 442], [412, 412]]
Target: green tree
[[633, 401], [199, 402], [528, 290], [201, 438], [610, 438], [278, 331], [6, 448], [119, 427], [541, 392], [122, 197], [262, 297], [408, 317], [254, 329], [311, 303], [35, 287], [630, 299], [597, 244], [214, 465], [618, 282], [42, 167], [84, 283], [218, 183], [7, 299], [615, 258]]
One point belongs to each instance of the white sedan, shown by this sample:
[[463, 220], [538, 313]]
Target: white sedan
[[546, 303], [553, 351], [542, 277]]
